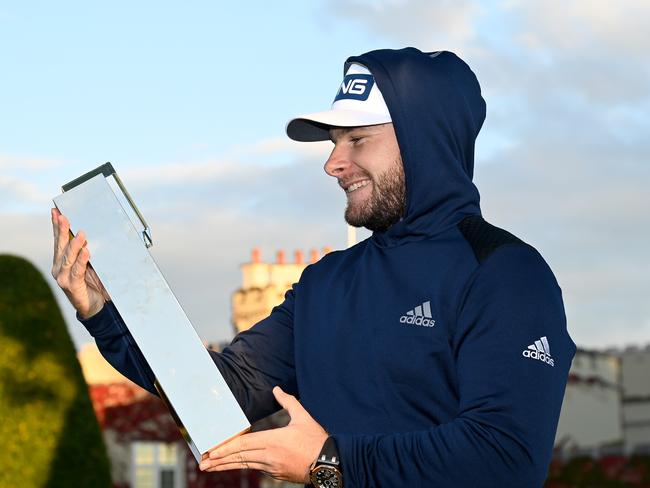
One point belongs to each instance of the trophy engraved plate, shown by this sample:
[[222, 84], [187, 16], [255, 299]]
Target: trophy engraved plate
[[187, 379]]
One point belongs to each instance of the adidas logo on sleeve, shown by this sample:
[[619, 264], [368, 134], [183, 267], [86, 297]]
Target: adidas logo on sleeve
[[539, 350], [420, 315]]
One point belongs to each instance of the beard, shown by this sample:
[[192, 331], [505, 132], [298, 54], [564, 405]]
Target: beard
[[386, 204]]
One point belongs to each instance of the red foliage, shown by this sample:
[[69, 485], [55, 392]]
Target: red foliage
[[136, 415], [607, 471], [104, 396], [613, 465]]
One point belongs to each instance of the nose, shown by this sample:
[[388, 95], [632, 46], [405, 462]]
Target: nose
[[338, 161]]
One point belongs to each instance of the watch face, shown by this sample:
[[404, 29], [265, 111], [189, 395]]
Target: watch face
[[326, 477]]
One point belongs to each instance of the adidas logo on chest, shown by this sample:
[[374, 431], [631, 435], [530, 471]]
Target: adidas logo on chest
[[420, 315]]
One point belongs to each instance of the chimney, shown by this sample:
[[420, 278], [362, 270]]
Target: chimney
[[298, 255], [313, 256], [280, 257], [256, 255]]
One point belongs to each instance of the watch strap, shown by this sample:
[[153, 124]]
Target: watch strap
[[329, 454], [326, 470]]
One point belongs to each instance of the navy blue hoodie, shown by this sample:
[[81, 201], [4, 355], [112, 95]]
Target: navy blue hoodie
[[469, 397]]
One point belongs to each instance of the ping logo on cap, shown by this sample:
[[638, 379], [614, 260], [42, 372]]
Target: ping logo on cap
[[355, 87]]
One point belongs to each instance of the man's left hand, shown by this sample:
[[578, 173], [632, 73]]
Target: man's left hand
[[286, 453]]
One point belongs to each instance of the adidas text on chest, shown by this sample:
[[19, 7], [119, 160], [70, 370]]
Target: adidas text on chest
[[420, 315]]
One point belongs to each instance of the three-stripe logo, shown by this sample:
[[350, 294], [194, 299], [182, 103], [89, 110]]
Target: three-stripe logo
[[420, 315], [539, 350]]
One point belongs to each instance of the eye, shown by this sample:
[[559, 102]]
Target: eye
[[356, 139]]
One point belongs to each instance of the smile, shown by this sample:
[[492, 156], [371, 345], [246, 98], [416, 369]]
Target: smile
[[356, 186]]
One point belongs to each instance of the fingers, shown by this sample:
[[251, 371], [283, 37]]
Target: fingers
[[211, 466], [71, 269], [61, 228], [237, 454], [55, 230], [284, 453], [255, 441], [283, 398], [290, 403], [63, 266], [72, 250], [78, 269]]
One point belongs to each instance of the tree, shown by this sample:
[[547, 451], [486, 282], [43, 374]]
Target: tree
[[50, 435]]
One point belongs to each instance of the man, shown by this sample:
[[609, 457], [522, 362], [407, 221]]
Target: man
[[434, 353]]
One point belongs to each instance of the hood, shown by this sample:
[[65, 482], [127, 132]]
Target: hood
[[437, 110]]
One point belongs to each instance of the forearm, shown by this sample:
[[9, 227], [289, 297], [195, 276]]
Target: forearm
[[248, 385], [254, 363]]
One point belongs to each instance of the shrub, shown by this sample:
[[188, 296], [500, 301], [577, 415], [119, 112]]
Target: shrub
[[50, 436]]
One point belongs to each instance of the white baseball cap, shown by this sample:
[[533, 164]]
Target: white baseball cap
[[358, 102]]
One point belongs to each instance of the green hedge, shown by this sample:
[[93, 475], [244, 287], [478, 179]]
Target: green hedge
[[48, 431]]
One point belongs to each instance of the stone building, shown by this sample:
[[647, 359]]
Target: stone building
[[590, 418], [264, 285], [635, 373], [606, 407]]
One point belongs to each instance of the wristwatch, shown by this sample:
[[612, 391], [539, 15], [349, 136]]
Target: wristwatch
[[326, 471]]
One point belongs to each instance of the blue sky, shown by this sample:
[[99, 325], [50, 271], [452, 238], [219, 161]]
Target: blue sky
[[189, 102], [152, 81]]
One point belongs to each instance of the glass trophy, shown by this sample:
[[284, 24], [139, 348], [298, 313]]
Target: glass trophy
[[119, 238]]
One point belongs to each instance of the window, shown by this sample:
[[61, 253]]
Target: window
[[157, 465]]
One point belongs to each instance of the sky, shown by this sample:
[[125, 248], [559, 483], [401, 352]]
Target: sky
[[189, 102]]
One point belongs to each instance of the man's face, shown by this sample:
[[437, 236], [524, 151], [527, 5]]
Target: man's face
[[367, 164]]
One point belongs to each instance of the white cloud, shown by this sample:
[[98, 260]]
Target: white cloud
[[427, 24], [17, 191], [238, 164], [177, 173], [292, 150], [25, 181], [600, 26], [8, 162], [593, 49]]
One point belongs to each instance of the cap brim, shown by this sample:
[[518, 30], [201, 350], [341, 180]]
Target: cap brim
[[315, 127]]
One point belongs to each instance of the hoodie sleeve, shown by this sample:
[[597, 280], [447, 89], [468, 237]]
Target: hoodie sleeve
[[255, 361], [118, 347], [509, 404]]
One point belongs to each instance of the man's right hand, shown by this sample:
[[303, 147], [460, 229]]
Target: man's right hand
[[70, 269]]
